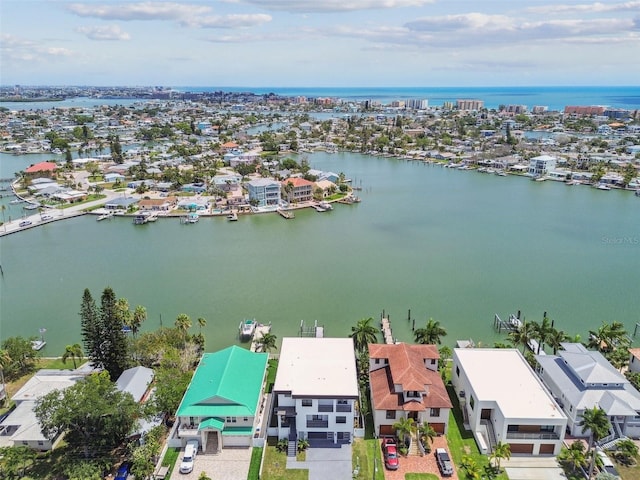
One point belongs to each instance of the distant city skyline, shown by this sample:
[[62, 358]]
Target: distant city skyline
[[307, 43]]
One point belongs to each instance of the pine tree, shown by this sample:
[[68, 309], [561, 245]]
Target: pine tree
[[90, 327]]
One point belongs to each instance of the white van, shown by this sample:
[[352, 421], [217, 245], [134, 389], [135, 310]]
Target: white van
[[190, 452]]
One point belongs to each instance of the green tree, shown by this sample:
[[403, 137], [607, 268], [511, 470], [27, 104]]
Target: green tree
[[201, 323], [573, 457], [22, 357], [431, 334], [471, 468], [556, 338], [364, 333], [83, 470], [626, 451], [595, 421], [522, 335], [267, 342], [94, 415], [427, 434], [15, 460], [104, 341], [137, 319], [405, 428], [500, 451], [183, 324], [542, 332], [73, 352], [171, 383], [608, 336]]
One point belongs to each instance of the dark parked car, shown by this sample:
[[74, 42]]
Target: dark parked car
[[444, 462], [123, 471], [390, 453]]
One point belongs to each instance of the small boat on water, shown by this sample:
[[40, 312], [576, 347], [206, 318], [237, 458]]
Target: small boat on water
[[602, 186], [232, 217], [38, 344], [141, 218], [32, 206], [16, 201], [326, 205], [191, 218], [247, 328]]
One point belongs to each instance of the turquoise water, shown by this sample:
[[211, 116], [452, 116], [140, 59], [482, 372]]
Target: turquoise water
[[457, 246]]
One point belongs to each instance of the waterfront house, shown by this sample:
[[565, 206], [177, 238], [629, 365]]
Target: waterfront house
[[157, 204], [121, 203], [541, 165], [327, 187], [135, 381], [20, 427], [315, 391], [502, 400], [222, 405], [405, 383], [296, 190], [265, 191], [42, 169], [580, 378]]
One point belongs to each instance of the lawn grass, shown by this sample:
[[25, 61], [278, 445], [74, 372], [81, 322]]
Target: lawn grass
[[170, 458], [365, 454], [275, 467], [421, 476], [254, 466], [272, 368]]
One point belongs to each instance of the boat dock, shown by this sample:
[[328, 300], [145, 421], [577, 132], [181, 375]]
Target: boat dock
[[512, 324], [385, 328], [258, 333], [287, 214], [316, 330]]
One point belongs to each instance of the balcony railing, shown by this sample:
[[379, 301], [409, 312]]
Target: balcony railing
[[343, 408], [533, 436], [317, 423], [325, 408]]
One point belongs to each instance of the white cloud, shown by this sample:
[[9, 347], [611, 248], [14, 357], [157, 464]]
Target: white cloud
[[228, 21], [139, 11], [107, 32], [586, 8], [14, 48], [319, 6]]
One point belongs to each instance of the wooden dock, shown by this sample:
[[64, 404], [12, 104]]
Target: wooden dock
[[385, 328], [510, 325], [287, 214], [258, 333]]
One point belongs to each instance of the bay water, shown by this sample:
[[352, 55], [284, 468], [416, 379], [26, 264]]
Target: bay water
[[457, 246]]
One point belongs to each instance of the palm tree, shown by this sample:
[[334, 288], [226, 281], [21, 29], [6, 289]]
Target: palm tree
[[72, 351], [594, 421], [267, 342], [573, 456], [136, 320], [363, 333], [430, 334], [555, 338], [201, 323], [500, 451], [608, 337], [626, 451], [404, 428], [5, 360], [183, 323], [427, 434], [522, 335], [541, 332]]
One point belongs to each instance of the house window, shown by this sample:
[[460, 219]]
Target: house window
[[391, 414], [377, 361], [40, 443], [306, 402], [434, 412], [472, 402], [457, 371], [341, 419], [245, 419], [433, 361], [231, 419]]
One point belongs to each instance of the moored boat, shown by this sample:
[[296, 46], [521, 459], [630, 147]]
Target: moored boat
[[232, 217], [602, 186], [247, 328]]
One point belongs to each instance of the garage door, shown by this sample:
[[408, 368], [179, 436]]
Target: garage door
[[438, 427], [386, 430], [521, 447], [236, 441]]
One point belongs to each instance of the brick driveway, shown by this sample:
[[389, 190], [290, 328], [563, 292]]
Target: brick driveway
[[418, 464], [230, 464]]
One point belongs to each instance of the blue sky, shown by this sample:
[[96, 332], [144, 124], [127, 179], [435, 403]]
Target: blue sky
[[319, 43]]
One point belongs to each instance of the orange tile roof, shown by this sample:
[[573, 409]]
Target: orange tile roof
[[42, 167], [229, 145], [406, 367], [297, 182]]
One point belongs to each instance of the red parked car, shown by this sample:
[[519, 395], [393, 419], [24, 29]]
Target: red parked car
[[390, 453]]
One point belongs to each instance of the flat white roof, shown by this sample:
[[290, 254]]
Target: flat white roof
[[502, 375], [317, 367]]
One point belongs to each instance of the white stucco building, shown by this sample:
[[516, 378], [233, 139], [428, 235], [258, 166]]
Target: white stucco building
[[503, 400], [315, 390]]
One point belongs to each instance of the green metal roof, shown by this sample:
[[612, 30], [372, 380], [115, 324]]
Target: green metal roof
[[216, 423], [237, 431], [227, 383]]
